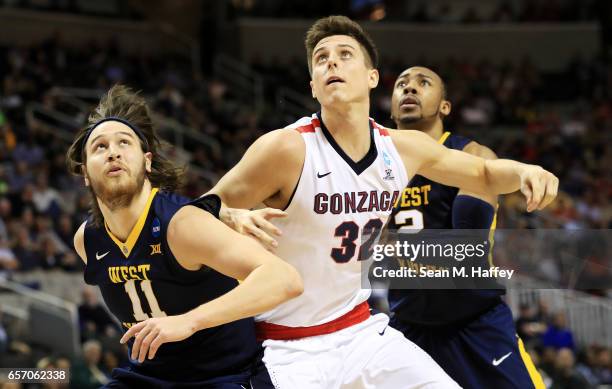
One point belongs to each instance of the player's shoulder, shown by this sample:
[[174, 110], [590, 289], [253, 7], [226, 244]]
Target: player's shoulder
[[406, 140], [190, 216], [173, 198], [285, 142], [166, 204], [479, 150]]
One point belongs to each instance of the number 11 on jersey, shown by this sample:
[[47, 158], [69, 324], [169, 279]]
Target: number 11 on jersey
[[147, 289]]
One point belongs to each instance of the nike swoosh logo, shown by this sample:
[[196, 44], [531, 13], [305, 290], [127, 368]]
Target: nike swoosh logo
[[496, 362], [381, 333], [319, 175], [99, 257]]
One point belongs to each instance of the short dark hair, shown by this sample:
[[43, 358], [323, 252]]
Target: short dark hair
[[123, 103], [339, 25]]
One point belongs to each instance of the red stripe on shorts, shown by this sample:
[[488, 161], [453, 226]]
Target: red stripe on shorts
[[279, 332]]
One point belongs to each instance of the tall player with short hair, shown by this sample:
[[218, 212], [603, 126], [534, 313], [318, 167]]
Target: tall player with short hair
[[167, 270], [470, 333], [337, 174]]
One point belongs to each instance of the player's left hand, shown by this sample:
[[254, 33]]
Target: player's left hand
[[539, 187], [255, 224], [152, 333]]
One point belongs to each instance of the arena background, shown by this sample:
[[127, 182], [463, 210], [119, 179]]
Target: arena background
[[529, 78]]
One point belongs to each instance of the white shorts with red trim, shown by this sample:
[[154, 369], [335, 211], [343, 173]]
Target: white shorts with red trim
[[367, 355]]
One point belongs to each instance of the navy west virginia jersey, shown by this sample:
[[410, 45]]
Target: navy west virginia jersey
[[426, 204], [141, 278]]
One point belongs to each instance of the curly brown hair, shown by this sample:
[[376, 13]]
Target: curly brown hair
[[122, 102]]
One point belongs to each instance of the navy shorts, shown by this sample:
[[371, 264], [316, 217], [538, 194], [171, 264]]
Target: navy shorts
[[257, 378], [482, 354]]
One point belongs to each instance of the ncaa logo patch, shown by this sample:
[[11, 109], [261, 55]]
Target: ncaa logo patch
[[388, 171], [156, 228], [386, 159]]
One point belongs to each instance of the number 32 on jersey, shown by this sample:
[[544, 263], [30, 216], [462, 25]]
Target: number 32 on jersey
[[349, 233], [411, 221]]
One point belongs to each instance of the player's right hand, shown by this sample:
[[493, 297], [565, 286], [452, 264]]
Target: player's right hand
[[256, 224], [150, 334]]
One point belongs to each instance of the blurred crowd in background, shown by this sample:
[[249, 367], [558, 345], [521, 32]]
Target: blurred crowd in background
[[514, 11], [561, 121], [420, 11]]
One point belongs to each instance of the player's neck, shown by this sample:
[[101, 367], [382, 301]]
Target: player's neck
[[121, 221], [350, 128], [434, 130]]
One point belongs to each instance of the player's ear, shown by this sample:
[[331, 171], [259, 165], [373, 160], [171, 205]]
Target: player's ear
[[445, 107], [148, 161], [373, 77], [314, 95]]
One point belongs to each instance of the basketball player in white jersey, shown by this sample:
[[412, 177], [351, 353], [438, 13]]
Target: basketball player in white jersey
[[337, 174]]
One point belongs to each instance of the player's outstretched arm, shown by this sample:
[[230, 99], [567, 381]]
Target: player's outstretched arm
[[198, 239], [479, 150], [422, 155]]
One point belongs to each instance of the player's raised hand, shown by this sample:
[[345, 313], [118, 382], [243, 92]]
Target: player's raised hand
[[152, 333], [539, 187], [257, 224]]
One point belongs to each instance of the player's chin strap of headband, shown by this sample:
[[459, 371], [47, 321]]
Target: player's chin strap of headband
[[114, 119]]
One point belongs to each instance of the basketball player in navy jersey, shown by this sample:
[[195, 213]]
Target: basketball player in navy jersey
[[470, 333], [166, 267]]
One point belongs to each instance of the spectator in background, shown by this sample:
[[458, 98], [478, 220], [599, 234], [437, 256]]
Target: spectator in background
[[65, 229], [43, 230], [20, 177], [586, 365], [4, 185], [29, 152], [8, 140], [4, 340], [28, 221], [64, 364], [86, 373], [596, 366], [46, 199], [5, 217], [565, 375], [535, 358], [82, 209], [25, 250], [8, 261], [548, 360], [110, 362], [22, 200], [93, 318], [528, 327], [558, 335], [70, 262], [48, 253], [603, 366], [543, 310], [49, 363]]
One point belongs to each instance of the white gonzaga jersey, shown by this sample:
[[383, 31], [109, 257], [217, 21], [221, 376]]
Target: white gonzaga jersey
[[336, 202]]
